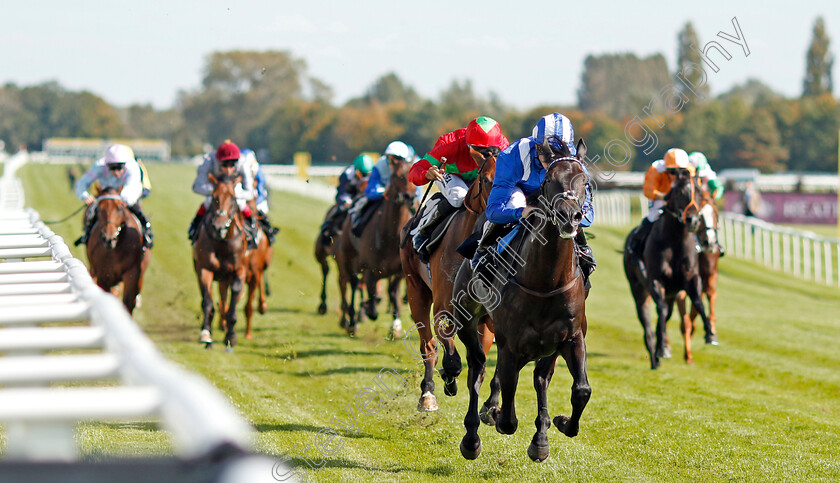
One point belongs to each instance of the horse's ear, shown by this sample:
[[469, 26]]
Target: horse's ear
[[581, 149], [212, 179]]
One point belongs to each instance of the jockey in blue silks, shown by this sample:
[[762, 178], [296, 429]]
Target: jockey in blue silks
[[520, 172]]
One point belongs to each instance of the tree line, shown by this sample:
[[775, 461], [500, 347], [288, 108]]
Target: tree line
[[268, 101]]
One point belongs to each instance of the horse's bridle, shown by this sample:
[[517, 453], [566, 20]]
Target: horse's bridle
[[681, 217], [567, 195], [107, 222], [231, 218]]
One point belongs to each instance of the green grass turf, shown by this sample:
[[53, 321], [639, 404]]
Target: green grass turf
[[762, 406]]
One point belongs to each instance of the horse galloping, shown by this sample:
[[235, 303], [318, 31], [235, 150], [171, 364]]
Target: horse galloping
[[375, 254], [219, 254], [426, 291], [115, 248], [668, 265], [537, 313]]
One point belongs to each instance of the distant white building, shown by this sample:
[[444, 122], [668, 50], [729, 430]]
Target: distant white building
[[93, 148]]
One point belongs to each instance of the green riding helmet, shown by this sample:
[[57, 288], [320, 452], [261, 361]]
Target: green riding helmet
[[363, 164]]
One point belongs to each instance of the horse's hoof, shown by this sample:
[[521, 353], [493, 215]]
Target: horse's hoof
[[488, 415], [450, 386], [208, 345], [562, 424], [229, 348], [263, 308], [230, 340], [205, 338], [537, 453], [470, 453], [322, 309], [428, 402], [351, 331], [665, 353], [248, 335], [506, 428], [712, 339], [396, 331], [343, 323]]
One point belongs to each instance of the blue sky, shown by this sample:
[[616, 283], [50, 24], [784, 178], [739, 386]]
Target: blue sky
[[529, 53]]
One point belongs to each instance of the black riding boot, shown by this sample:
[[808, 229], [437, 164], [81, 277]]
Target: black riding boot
[[638, 241], [586, 259], [487, 241], [420, 238], [269, 230], [252, 230], [148, 235], [86, 234], [192, 232]]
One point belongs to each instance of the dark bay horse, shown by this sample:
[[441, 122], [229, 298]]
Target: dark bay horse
[[115, 248], [258, 261], [375, 255], [537, 310], [668, 265], [708, 267], [425, 289], [219, 254]]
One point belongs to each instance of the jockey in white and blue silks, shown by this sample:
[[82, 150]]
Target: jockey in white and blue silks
[[117, 170], [519, 172], [380, 177], [260, 193]]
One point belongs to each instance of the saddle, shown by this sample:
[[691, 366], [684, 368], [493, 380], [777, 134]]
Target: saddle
[[363, 218]]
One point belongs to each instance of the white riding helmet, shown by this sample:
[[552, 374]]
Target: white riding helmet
[[399, 149], [118, 154]]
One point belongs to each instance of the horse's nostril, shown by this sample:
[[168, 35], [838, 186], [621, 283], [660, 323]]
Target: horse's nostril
[[578, 216]]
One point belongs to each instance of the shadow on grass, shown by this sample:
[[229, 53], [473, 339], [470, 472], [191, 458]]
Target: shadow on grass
[[340, 370], [263, 428], [342, 463]]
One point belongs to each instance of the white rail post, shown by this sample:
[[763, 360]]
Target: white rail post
[[806, 258], [818, 260]]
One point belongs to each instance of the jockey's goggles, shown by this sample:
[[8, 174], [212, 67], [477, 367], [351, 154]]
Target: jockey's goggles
[[485, 151], [228, 163], [116, 166], [396, 159]]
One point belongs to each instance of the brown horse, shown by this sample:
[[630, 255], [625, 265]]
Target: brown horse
[[219, 254], [115, 248], [375, 254], [668, 265], [707, 261], [424, 290], [258, 261], [536, 309]]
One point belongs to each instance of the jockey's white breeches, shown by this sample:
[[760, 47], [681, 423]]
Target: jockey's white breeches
[[655, 209], [239, 202], [453, 188], [707, 213]]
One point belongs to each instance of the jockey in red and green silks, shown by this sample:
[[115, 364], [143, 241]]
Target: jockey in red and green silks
[[453, 164]]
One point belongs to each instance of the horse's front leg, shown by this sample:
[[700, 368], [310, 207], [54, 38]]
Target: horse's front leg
[[420, 302], [657, 294], [370, 305], [131, 287], [574, 352], [205, 283], [544, 369], [396, 324], [224, 286], [476, 361], [235, 292], [686, 326], [446, 328]]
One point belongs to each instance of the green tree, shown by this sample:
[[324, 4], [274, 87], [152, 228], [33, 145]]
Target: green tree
[[758, 144], [688, 53], [621, 85], [818, 63]]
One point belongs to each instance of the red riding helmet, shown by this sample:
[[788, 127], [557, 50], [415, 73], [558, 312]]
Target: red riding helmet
[[484, 131], [227, 150]]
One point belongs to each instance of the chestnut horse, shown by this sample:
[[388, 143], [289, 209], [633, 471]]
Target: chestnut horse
[[219, 254], [668, 265], [708, 266], [537, 313], [424, 290], [375, 255], [258, 261], [115, 248]]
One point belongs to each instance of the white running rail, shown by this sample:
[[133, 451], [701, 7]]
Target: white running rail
[[48, 302], [796, 252]]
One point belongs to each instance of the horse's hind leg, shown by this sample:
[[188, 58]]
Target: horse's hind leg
[[507, 368], [693, 291], [642, 298], [205, 283], [253, 286], [544, 369], [574, 352], [236, 286], [325, 270], [420, 303], [490, 410], [370, 305], [686, 327], [131, 288], [396, 330]]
